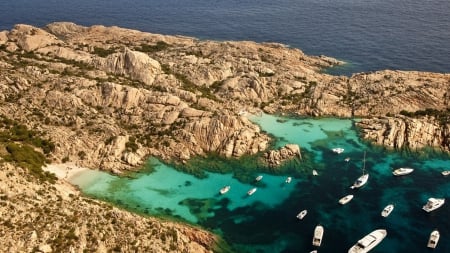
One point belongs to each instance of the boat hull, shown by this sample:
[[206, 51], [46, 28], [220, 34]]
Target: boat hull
[[387, 210], [368, 242], [402, 171], [433, 240], [318, 235], [345, 199], [433, 204]]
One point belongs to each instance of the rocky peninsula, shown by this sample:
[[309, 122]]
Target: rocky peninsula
[[108, 98]]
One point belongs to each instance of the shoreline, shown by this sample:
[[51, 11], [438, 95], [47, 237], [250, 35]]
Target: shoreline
[[65, 171]]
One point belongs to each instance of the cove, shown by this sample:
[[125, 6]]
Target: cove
[[266, 221]]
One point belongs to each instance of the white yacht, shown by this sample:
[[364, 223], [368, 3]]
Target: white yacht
[[445, 173], [318, 234], [433, 204], [258, 178], [434, 239], [225, 189], [387, 210], [368, 242], [362, 180], [288, 180], [251, 191], [338, 150], [315, 173], [402, 171], [302, 214], [345, 199]]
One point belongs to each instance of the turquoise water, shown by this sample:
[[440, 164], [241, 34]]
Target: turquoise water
[[265, 221]]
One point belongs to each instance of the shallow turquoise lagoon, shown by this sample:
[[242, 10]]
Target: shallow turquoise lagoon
[[266, 222]]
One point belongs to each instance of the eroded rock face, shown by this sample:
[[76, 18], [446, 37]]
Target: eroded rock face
[[135, 64], [403, 132]]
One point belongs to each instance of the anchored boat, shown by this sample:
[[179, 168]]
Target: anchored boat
[[318, 234], [368, 242], [345, 199]]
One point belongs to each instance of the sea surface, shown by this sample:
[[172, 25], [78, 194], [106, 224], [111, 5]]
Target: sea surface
[[369, 35], [266, 221]]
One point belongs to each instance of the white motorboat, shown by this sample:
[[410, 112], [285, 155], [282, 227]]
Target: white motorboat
[[362, 180], [434, 239], [368, 242], [387, 210], [345, 199], [302, 214], [225, 189], [338, 150], [402, 171], [433, 204], [347, 159], [314, 251], [258, 178], [288, 180], [315, 173], [445, 173], [318, 234], [251, 191]]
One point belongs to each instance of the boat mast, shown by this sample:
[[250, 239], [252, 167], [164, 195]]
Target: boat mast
[[364, 163]]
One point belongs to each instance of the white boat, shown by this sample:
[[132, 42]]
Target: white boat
[[314, 251], [288, 180], [433, 204], [345, 199], [347, 159], [434, 239], [225, 189], [387, 210], [337, 150], [315, 173], [445, 173], [362, 180], [251, 191], [318, 234], [258, 178], [302, 214], [368, 242], [402, 171]]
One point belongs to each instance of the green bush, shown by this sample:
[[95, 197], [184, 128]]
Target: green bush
[[160, 45]]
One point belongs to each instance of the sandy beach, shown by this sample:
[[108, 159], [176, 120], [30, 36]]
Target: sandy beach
[[65, 171]]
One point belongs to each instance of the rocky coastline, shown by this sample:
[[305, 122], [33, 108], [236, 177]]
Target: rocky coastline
[[109, 97]]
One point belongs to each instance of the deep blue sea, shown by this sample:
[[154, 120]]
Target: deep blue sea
[[370, 35], [266, 221]]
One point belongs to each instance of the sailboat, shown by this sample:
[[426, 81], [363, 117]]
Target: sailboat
[[362, 180]]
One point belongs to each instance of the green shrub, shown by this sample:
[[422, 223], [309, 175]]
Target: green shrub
[[160, 45]]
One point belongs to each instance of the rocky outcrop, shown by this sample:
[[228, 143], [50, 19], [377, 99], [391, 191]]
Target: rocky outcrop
[[406, 133], [276, 157], [136, 65], [30, 38]]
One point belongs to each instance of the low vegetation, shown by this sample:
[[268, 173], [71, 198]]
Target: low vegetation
[[25, 148]]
